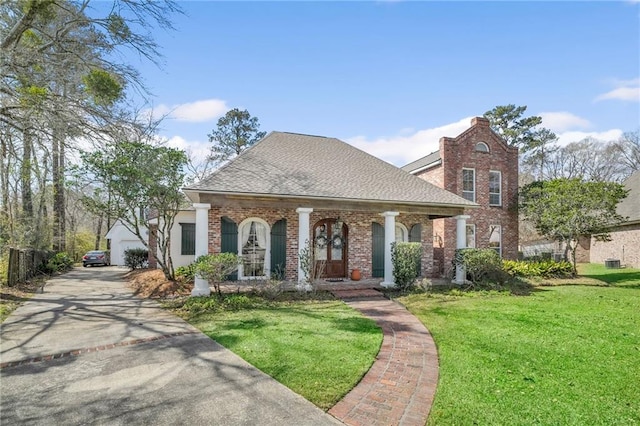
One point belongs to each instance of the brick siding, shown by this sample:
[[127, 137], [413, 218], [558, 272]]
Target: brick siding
[[458, 153], [359, 240]]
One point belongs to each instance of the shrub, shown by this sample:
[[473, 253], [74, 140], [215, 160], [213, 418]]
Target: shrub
[[215, 267], [59, 262], [187, 273], [270, 289], [136, 258], [199, 304], [405, 257], [541, 268], [481, 265], [235, 302]]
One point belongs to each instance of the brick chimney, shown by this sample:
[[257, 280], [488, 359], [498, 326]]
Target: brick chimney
[[480, 121]]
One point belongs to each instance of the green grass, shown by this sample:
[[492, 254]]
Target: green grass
[[621, 277], [6, 308], [318, 348], [562, 355]]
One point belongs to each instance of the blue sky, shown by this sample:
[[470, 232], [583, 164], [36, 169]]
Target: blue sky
[[393, 77]]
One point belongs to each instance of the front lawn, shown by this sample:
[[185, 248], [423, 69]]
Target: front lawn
[[628, 277], [318, 348], [562, 355]]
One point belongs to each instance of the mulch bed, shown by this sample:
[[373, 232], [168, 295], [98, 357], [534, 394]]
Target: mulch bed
[[152, 284]]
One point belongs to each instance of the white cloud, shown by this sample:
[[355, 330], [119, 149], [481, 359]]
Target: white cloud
[[566, 138], [402, 149], [405, 148], [561, 121], [625, 90], [196, 149], [193, 112]]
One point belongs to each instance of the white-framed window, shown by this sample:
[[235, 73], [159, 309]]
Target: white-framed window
[[469, 184], [402, 233], [495, 238], [254, 245], [471, 235], [482, 147], [495, 188]]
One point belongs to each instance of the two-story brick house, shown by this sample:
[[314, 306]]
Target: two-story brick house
[[479, 166], [289, 192]]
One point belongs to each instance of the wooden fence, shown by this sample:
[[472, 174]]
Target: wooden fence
[[25, 264]]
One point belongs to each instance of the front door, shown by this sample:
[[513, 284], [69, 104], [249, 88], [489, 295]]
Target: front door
[[330, 248]]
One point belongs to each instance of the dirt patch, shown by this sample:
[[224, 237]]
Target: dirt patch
[[14, 296], [151, 283], [549, 282]]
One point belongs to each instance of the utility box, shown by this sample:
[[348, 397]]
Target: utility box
[[612, 263]]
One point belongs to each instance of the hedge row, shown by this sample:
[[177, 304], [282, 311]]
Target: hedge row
[[543, 268]]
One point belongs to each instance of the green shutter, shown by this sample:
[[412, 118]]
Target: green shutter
[[188, 246], [229, 240], [377, 250], [279, 249], [415, 236]]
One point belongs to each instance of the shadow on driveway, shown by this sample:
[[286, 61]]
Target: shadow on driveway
[[164, 377]]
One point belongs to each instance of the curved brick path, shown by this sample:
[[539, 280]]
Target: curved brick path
[[400, 386]]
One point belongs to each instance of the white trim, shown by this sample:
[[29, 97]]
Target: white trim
[[201, 286], [267, 252], [389, 238], [427, 167], [475, 243], [474, 183], [499, 227], [499, 188], [303, 238], [482, 150], [461, 242], [308, 198], [405, 232]]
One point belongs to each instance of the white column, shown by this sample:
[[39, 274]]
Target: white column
[[389, 237], [461, 242], [201, 287], [303, 237]]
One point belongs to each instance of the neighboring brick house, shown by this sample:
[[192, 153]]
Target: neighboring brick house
[[625, 239], [479, 166], [289, 189]]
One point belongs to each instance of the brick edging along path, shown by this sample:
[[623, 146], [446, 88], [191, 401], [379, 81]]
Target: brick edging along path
[[400, 386]]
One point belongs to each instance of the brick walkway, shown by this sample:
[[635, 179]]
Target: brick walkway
[[400, 386]]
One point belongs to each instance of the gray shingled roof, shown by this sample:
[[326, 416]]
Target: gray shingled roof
[[630, 206], [422, 162], [296, 165]]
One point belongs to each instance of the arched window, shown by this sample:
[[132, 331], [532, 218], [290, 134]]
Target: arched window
[[482, 147], [402, 233], [254, 245]]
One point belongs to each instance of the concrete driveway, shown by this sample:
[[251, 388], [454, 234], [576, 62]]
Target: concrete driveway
[[86, 351]]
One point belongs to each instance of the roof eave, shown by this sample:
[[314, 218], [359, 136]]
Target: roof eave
[[196, 192], [427, 167]]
